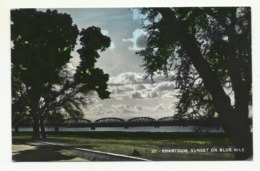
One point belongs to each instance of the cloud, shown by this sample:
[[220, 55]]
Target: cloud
[[125, 88], [136, 14], [69, 69], [169, 94], [105, 32], [139, 87], [127, 78], [138, 78], [136, 95], [160, 77], [123, 108], [127, 111], [138, 40], [136, 86], [100, 109], [112, 90], [119, 89], [144, 94], [163, 107], [160, 107], [152, 94], [171, 106], [97, 109], [164, 86], [112, 46], [94, 99], [141, 41], [110, 110], [138, 108]]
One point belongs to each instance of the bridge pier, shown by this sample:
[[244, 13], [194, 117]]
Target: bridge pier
[[93, 128], [126, 127]]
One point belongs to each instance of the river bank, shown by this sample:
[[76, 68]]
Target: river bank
[[151, 146]]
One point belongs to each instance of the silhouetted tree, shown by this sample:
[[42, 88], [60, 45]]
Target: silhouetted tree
[[210, 51], [42, 85]]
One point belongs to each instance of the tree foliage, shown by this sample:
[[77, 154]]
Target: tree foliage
[[43, 87], [165, 51], [210, 51]]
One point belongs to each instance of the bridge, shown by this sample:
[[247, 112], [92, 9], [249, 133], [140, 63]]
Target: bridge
[[133, 122]]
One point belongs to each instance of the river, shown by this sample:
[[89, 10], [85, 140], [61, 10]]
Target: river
[[120, 129]]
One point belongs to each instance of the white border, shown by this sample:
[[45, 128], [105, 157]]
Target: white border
[[5, 88]]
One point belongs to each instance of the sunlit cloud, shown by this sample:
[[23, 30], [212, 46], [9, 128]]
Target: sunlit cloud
[[140, 78], [112, 46], [105, 32], [151, 94], [136, 14]]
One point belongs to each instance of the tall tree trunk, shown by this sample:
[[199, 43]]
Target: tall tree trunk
[[43, 132], [36, 125], [235, 122], [243, 139], [238, 130], [242, 130], [242, 136], [35, 115]]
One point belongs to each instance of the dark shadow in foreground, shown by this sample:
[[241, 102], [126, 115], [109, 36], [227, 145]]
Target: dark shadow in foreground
[[43, 153]]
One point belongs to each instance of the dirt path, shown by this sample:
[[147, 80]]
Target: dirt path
[[48, 151], [39, 152]]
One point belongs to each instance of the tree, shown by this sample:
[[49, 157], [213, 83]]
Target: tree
[[42, 85], [210, 51]]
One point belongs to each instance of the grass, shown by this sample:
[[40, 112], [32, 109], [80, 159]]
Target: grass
[[142, 144]]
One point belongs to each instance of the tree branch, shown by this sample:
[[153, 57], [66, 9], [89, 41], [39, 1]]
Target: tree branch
[[189, 42]]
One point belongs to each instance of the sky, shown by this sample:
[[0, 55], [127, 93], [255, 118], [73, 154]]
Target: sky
[[123, 26], [131, 94]]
